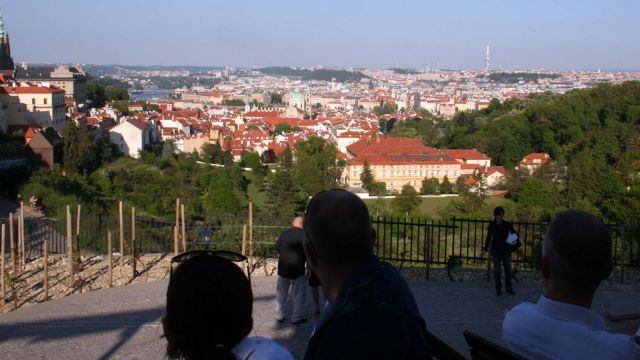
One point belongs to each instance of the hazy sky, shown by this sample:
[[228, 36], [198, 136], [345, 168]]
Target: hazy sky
[[560, 34]]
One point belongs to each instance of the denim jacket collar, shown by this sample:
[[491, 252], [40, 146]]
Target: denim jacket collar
[[363, 276]]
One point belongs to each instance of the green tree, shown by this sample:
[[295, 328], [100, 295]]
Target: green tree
[[168, 149], [78, 150], [212, 152], [379, 188], [366, 177], [276, 98], [233, 102], [407, 201], [446, 187], [430, 186], [122, 107], [283, 197]]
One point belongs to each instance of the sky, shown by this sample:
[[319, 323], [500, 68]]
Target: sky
[[522, 34]]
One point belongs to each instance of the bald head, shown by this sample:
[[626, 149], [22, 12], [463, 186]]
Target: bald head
[[297, 222], [338, 227], [577, 248]]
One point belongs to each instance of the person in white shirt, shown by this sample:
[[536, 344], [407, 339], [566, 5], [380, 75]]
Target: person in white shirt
[[576, 259], [209, 310]]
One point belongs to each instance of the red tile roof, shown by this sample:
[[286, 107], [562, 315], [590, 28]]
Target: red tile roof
[[466, 154]]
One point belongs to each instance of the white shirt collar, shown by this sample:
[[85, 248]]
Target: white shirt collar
[[568, 312]]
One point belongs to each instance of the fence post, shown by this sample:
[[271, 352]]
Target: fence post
[[622, 248], [121, 232], [175, 240], [244, 238], [133, 241], [46, 269], [184, 236], [2, 265], [250, 234], [22, 235], [110, 257], [69, 246], [427, 249], [12, 245]]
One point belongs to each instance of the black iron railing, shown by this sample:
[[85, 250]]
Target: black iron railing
[[402, 241]]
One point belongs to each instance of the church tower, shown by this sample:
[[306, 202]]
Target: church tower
[[7, 68]]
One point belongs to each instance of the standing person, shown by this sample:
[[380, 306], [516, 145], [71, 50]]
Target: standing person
[[496, 241], [291, 271], [576, 258], [371, 313]]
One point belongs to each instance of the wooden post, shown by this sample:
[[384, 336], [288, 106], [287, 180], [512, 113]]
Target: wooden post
[[11, 245], [184, 237], [110, 256], [175, 240], [133, 241], [46, 269], [78, 221], [2, 289], [69, 246], [244, 238], [250, 234], [21, 235], [121, 232], [177, 234]]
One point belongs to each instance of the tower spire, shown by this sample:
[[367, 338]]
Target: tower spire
[[486, 63], [2, 32]]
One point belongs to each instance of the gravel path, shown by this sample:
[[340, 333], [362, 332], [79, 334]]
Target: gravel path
[[124, 322]]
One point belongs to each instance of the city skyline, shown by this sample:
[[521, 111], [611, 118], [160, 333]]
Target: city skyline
[[577, 35]]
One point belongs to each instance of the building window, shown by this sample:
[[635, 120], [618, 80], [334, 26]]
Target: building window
[[33, 101], [45, 101]]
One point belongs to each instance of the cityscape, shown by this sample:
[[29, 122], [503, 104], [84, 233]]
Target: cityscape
[[468, 137]]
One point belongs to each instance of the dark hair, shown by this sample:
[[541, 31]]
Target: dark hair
[[499, 210], [338, 226], [209, 309], [578, 246]]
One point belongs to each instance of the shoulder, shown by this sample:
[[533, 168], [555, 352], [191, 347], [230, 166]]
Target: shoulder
[[258, 348]]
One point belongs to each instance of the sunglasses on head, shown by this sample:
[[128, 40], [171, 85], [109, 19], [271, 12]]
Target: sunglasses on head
[[221, 254]]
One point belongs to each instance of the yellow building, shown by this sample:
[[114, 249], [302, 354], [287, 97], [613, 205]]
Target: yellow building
[[397, 162]]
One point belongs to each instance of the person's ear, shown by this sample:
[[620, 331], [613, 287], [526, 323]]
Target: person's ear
[[310, 252], [546, 268]]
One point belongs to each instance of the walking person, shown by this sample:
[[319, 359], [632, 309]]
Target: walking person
[[500, 250], [291, 272]]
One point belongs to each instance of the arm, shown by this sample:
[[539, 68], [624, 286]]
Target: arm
[[489, 234]]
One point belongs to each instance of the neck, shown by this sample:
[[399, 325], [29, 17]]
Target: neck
[[584, 300], [333, 280]]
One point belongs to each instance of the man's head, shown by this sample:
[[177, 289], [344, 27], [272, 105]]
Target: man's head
[[576, 253], [498, 213], [337, 229], [297, 222]]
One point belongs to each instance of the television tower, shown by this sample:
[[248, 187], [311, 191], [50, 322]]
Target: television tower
[[486, 60]]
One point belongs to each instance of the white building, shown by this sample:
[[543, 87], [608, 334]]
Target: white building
[[130, 136]]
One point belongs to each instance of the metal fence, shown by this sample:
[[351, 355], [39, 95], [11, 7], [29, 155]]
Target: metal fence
[[459, 242], [415, 242]]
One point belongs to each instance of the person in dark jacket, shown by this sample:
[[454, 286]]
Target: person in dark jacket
[[370, 311], [291, 271], [496, 241]]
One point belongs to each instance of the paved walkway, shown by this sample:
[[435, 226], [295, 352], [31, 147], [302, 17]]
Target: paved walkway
[[124, 322]]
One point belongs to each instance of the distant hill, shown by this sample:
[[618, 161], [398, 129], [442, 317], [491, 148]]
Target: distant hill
[[317, 74], [404, 71], [512, 78]]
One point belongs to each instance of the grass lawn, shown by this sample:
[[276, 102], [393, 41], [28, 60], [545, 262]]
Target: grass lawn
[[434, 206]]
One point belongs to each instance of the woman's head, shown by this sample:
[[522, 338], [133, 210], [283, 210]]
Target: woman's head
[[209, 308]]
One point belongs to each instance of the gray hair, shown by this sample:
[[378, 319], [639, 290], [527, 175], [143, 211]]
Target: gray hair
[[578, 248]]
